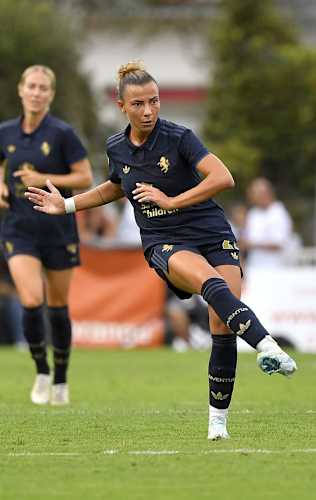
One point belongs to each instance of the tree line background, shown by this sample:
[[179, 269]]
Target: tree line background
[[260, 116]]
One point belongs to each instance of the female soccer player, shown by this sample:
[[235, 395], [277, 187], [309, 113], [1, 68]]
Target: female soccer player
[[170, 179], [41, 250]]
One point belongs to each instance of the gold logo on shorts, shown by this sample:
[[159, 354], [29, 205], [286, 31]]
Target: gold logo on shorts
[[45, 148], [72, 248], [234, 255], [167, 248], [9, 246], [11, 148], [227, 245], [126, 169], [163, 163]]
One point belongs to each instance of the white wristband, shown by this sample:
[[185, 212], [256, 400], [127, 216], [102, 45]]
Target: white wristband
[[70, 205]]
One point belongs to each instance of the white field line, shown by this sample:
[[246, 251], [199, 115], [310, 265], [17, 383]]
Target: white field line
[[164, 452]]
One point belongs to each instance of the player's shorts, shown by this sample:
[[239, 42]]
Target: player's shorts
[[55, 258], [225, 252]]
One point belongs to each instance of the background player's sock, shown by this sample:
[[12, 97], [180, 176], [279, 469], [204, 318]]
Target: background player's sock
[[234, 313], [221, 370], [61, 341], [34, 332]]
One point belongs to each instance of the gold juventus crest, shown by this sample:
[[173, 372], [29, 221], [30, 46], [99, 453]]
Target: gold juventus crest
[[45, 148], [11, 148], [164, 164]]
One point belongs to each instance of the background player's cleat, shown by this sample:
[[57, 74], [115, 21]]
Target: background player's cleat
[[59, 395], [40, 393], [273, 362], [217, 429]]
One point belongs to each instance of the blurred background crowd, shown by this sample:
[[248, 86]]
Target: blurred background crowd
[[240, 73]]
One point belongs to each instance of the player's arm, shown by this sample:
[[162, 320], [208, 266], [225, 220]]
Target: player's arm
[[216, 179], [52, 202], [79, 177], [4, 190]]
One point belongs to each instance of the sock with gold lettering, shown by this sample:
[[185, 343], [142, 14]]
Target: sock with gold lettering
[[236, 315], [222, 369]]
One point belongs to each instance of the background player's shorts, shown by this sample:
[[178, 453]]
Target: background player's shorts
[[225, 252], [55, 258]]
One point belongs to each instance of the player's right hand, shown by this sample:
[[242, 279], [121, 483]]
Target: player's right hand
[[50, 202], [4, 194]]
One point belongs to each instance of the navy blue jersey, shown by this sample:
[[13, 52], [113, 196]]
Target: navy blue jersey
[[51, 148], [168, 161]]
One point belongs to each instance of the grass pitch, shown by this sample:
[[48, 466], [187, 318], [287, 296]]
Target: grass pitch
[[137, 429]]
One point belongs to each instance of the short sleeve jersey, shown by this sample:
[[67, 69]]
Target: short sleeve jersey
[[168, 161], [51, 148]]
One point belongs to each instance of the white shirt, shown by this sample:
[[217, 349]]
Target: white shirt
[[271, 225], [128, 231]]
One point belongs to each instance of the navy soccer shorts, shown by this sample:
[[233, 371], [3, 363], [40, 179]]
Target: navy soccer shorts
[[55, 258], [225, 252]]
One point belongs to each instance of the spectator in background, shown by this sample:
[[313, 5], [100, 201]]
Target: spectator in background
[[268, 235], [127, 231], [96, 223], [238, 217], [187, 323]]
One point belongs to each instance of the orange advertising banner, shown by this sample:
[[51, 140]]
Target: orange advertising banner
[[116, 300]]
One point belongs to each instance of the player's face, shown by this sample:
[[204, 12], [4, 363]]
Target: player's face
[[141, 105], [36, 92]]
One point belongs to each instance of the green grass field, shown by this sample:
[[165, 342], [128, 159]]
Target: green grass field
[[137, 429]]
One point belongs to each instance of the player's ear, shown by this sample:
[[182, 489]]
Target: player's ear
[[120, 104], [20, 90]]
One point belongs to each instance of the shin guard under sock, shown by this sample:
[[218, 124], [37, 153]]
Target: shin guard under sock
[[61, 341], [235, 314], [221, 370], [34, 332]]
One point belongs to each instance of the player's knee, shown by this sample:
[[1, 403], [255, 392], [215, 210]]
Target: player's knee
[[31, 301]]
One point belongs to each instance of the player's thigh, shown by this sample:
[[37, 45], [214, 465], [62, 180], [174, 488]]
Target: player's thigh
[[232, 276], [189, 270], [57, 286], [26, 272]]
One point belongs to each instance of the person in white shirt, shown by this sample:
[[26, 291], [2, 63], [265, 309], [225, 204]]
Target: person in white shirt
[[268, 233]]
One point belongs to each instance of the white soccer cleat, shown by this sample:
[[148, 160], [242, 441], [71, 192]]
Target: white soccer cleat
[[40, 393], [217, 429], [274, 362], [59, 395]]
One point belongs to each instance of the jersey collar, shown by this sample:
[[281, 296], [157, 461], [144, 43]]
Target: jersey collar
[[41, 124], [151, 141]]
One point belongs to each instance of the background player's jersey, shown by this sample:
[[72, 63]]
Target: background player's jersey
[[168, 161], [51, 148]]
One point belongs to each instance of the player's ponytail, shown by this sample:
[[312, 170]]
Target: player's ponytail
[[132, 73]]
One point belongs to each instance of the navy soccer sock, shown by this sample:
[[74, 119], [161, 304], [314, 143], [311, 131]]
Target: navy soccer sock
[[221, 370], [34, 332], [61, 341], [235, 314]]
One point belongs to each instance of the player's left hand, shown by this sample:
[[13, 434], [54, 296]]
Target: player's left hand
[[30, 177], [148, 193]]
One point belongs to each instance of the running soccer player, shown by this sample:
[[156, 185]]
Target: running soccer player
[[34, 147], [186, 238]]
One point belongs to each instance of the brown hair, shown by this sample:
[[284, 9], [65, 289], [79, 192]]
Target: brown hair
[[132, 73], [44, 69]]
